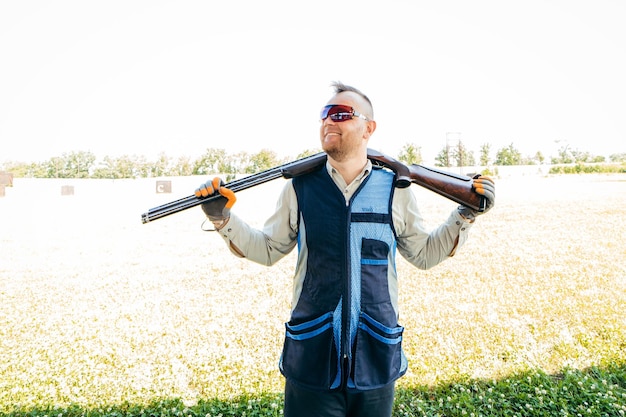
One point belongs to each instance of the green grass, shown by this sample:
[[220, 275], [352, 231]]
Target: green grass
[[598, 391], [112, 317]]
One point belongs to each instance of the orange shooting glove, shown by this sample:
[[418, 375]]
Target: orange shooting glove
[[218, 209], [486, 187]]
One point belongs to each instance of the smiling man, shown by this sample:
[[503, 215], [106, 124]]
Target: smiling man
[[343, 344]]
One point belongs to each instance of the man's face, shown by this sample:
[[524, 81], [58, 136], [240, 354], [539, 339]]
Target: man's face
[[343, 139]]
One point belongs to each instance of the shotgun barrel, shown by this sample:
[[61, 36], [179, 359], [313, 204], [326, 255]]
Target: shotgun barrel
[[288, 170]]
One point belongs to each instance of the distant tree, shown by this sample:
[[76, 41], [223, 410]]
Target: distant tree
[[617, 157], [125, 166], [106, 169], [461, 156], [308, 152], [410, 154], [26, 170], [262, 160], [70, 165], [508, 156], [161, 167], [570, 156], [485, 149], [55, 168], [235, 163], [183, 167], [527, 160], [580, 156], [443, 158], [455, 156], [81, 163], [564, 156], [210, 162], [143, 167]]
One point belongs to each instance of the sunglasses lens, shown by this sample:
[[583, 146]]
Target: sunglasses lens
[[337, 113], [341, 117]]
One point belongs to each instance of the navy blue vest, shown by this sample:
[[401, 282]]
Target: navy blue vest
[[343, 330]]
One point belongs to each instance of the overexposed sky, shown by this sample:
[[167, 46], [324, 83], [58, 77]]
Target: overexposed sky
[[145, 77]]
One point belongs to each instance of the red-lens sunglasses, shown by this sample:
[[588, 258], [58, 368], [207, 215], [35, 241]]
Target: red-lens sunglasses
[[340, 113]]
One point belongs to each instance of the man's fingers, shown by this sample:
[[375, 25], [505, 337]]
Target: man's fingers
[[230, 196], [484, 185], [208, 188], [485, 181], [216, 183], [484, 188], [201, 191]]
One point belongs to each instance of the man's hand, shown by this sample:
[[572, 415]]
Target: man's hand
[[219, 208], [485, 187]]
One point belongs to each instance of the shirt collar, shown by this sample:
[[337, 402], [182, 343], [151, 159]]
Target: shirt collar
[[364, 173]]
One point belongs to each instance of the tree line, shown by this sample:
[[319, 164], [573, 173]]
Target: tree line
[[84, 164]]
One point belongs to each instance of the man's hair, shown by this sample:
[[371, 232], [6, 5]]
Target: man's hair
[[341, 87]]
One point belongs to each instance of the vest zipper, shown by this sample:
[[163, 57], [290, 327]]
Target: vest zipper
[[347, 300], [347, 307]]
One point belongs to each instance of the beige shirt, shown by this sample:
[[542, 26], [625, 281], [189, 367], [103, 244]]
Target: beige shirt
[[420, 247]]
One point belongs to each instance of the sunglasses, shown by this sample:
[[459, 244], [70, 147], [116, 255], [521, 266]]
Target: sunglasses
[[340, 113]]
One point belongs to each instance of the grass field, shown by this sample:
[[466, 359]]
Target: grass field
[[99, 310]]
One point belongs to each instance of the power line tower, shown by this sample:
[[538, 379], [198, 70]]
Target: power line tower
[[453, 139]]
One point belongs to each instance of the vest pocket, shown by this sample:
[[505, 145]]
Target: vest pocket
[[309, 355], [378, 354], [374, 266]]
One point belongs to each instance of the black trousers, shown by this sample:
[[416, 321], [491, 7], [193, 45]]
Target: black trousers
[[300, 402]]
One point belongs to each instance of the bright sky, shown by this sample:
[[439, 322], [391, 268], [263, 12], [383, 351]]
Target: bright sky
[[144, 77]]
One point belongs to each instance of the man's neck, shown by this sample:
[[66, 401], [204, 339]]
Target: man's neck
[[350, 168]]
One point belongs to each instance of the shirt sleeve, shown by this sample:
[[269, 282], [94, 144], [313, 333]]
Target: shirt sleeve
[[422, 248], [277, 238]]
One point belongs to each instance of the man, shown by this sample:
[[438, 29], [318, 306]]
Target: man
[[342, 350]]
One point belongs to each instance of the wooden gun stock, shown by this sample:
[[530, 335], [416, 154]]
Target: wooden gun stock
[[457, 188], [454, 187]]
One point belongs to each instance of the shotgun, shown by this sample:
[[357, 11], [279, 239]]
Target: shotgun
[[457, 188]]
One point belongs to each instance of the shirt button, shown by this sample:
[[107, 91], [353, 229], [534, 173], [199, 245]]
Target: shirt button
[[458, 223]]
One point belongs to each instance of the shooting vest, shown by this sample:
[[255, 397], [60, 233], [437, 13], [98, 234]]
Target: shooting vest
[[343, 330]]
